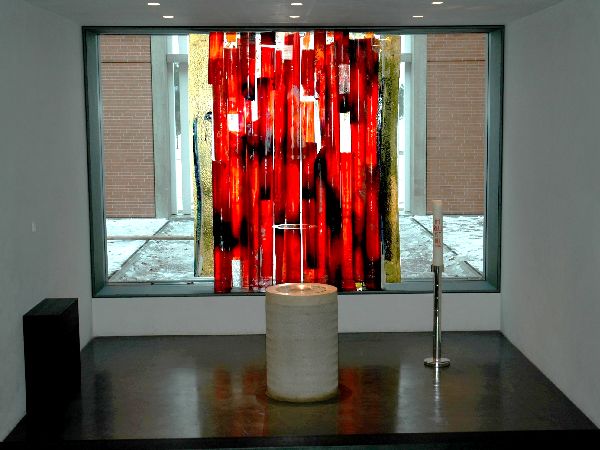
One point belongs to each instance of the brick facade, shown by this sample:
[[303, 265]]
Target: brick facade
[[126, 76], [456, 80]]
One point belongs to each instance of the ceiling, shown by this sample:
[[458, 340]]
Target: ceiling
[[276, 12]]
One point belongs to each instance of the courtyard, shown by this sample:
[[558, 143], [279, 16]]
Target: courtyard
[[161, 250]]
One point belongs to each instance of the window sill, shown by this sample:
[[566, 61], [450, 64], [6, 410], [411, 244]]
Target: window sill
[[137, 290]]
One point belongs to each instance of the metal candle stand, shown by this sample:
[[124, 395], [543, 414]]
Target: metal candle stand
[[436, 360]]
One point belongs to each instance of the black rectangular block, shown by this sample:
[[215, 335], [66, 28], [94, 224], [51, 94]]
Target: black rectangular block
[[52, 356]]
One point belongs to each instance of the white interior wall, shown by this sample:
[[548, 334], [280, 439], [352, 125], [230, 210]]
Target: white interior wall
[[43, 180], [551, 196], [246, 315]]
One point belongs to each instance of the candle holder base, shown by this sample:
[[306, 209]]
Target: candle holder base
[[437, 363]]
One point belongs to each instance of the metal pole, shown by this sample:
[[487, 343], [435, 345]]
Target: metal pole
[[436, 360], [186, 155], [172, 139]]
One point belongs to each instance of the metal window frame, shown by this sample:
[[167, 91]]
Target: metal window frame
[[493, 168]]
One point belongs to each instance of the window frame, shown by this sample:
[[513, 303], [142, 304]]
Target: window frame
[[493, 168]]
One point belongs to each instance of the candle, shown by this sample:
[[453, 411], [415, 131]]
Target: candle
[[438, 234]]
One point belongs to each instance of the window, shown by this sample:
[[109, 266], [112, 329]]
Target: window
[[151, 131]]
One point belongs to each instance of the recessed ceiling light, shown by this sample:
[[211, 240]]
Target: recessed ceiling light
[[437, 3], [153, 4], [294, 17], [296, 3], [168, 17], [418, 17]]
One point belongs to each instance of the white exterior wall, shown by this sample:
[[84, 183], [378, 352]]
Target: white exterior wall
[[551, 196]]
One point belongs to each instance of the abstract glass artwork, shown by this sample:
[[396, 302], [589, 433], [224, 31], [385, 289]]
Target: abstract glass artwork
[[298, 124]]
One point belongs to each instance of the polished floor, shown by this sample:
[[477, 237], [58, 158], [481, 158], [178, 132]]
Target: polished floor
[[206, 391]]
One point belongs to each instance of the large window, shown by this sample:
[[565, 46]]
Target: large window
[[431, 114]]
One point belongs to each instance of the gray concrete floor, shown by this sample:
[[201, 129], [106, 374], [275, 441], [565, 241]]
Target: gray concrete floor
[[173, 387]]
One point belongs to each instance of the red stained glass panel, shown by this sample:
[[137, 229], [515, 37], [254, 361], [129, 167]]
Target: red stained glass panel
[[295, 163]]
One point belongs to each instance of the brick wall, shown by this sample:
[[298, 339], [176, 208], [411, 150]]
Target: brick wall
[[127, 126], [456, 79]]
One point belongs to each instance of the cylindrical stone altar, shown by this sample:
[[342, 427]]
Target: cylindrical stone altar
[[302, 342]]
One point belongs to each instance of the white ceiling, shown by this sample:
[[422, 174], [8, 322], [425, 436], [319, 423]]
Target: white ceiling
[[276, 12]]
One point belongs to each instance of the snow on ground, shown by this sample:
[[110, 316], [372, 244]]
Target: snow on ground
[[464, 235], [179, 227], [162, 260], [159, 261], [120, 251], [416, 246], [133, 227]]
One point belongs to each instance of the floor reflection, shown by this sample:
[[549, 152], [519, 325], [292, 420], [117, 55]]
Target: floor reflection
[[241, 408]]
